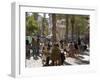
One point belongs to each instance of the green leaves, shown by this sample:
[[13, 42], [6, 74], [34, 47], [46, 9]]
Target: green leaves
[[31, 24], [81, 23]]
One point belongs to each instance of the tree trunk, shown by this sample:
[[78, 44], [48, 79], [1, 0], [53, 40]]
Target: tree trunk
[[72, 22], [78, 32], [66, 34], [43, 25], [54, 27]]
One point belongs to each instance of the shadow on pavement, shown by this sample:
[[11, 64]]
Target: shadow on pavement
[[66, 63]]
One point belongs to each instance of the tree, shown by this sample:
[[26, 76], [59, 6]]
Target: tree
[[31, 25], [35, 15], [72, 24], [81, 24], [54, 27], [66, 34], [44, 26]]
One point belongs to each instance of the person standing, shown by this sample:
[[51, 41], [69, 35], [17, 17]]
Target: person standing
[[34, 48], [76, 49], [71, 50], [27, 50], [62, 57]]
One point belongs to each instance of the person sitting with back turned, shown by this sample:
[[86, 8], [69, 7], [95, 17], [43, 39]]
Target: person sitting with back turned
[[55, 55]]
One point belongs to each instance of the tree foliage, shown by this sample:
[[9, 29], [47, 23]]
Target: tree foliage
[[81, 23], [31, 24]]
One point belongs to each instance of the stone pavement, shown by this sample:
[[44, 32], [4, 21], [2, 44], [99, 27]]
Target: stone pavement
[[82, 59]]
